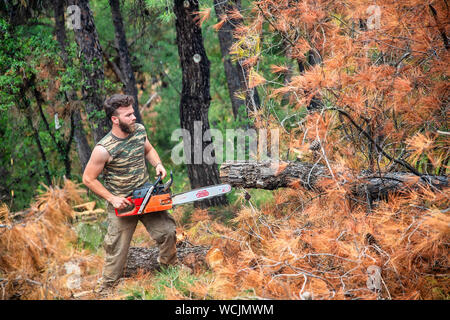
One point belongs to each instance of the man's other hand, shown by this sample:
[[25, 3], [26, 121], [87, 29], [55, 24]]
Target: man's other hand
[[160, 170], [119, 202]]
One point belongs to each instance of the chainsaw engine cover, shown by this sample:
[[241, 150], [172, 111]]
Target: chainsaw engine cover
[[160, 200], [141, 192]]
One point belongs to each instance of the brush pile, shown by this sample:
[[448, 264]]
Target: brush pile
[[38, 259], [309, 246]]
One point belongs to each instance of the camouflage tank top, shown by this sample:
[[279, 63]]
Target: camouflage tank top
[[126, 171]]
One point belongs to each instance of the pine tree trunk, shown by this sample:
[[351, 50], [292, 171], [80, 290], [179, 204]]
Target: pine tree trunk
[[92, 69], [124, 55], [289, 73], [237, 76], [83, 148], [225, 34], [25, 107], [195, 96]]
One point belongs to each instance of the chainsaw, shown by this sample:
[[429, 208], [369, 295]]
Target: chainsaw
[[158, 197]]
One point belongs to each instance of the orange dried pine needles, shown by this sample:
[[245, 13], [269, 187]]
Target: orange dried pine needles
[[38, 259]]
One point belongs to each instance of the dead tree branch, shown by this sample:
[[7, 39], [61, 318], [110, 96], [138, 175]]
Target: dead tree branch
[[284, 174]]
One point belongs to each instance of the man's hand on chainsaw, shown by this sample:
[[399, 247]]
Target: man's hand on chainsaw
[[160, 170], [119, 202]]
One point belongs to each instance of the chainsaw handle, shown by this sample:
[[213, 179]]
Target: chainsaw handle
[[168, 183], [128, 210], [158, 180]]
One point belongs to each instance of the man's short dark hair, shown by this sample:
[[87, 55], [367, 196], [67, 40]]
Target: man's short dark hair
[[116, 101]]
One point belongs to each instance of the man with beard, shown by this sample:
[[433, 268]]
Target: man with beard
[[120, 155]]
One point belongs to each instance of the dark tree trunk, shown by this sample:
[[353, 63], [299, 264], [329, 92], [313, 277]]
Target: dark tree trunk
[[41, 149], [195, 97], [237, 76], [290, 66], [62, 146], [60, 30], [225, 34], [5, 190], [313, 59], [92, 68], [83, 148], [25, 107], [124, 55]]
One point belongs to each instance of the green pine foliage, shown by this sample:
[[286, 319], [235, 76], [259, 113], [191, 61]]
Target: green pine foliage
[[23, 52]]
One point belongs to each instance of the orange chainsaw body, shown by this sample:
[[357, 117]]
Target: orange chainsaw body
[[159, 197], [157, 202]]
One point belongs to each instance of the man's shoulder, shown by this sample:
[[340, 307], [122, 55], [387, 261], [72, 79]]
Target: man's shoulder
[[105, 140], [140, 129], [139, 126], [100, 153]]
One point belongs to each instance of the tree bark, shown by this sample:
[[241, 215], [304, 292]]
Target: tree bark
[[237, 76], [26, 109], [124, 56], [61, 145], [92, 69], [83, 148], [195, 99], [5, 190], [271, 175]]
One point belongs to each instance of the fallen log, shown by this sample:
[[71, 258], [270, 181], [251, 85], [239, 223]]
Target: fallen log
[[272, 175], [144, 259]]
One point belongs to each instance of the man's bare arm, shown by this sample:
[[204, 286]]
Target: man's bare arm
[[94, 167], [152, 156]]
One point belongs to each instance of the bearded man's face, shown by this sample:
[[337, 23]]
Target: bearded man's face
[[126, 119], [127, 128]]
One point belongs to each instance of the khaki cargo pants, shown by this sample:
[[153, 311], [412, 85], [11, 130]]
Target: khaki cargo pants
[[161, 227]]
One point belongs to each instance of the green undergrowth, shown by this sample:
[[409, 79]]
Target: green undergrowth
[[170, 278], [236, 200], [91, 235]]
